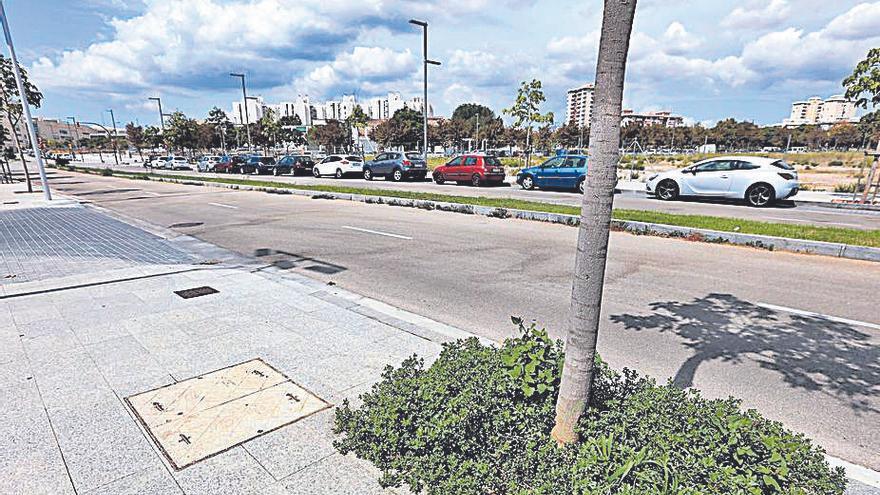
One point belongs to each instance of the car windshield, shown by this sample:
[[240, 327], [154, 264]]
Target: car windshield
[[353, 158], [783, 165], [413, 156], [267, 159], [491, 160]]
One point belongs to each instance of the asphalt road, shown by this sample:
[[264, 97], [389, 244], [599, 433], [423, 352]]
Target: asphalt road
[[784, 212], [726, 320]]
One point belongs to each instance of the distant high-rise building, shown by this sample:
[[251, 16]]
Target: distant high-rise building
[[666, 119], [816, 111], [579, 109], [255, 111]]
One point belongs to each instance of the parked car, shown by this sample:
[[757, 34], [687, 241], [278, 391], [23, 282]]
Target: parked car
[[476, 170], [259, 165], [156, 162], [396, 165], [208, 163], [176, 163], [298, 164], [226, 164], [757, 180], [339, 166], [559, 172]]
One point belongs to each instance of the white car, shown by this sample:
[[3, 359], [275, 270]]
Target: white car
[[176, 163], [759, 181], [157, 162], [207, 163], [339, 166]]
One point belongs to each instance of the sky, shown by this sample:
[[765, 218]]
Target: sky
[[704, 59]]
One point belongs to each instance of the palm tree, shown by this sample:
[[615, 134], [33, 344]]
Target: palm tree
[[592, 247]]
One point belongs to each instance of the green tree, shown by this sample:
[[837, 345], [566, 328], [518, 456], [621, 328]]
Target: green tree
[[571, 135], [863, 85], [220, 126], [10, 104], [845, 136], [592, 245], [289, 132], [332, 135], [135, 135], [153, 137], [181, 132], [526, 111], [357, 121], [404, 128]]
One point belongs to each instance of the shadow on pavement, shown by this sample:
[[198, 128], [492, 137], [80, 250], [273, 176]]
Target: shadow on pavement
[[810, 353]]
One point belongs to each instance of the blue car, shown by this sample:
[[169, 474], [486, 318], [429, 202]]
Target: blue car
[[560, 172]]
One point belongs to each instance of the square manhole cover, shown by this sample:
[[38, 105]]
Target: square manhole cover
[[203, 416]]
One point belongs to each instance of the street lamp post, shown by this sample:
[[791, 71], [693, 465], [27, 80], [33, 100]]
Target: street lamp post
[[113, 138], [245, 103], [26, 108], [425, 62], [161, 115], [75, 134]]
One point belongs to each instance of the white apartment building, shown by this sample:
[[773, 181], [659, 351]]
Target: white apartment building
[[816, 111], [301, 107], [579, 107], [255, 111], [666, 119]]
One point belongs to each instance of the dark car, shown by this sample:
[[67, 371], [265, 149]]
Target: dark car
[[560, 172], [297, 164], [476, 170], [396, 165], [263, 165]]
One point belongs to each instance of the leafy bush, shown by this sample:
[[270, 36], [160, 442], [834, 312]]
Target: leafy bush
[[478, 421], [106, 172], [849, 187], [835, 163]]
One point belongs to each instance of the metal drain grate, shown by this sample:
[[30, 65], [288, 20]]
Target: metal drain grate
[[196, 292], [185, 225]]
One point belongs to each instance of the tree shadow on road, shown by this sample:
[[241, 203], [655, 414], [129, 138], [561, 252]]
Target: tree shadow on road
[[810, 353]]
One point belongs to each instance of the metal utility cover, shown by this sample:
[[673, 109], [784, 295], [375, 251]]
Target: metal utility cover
[[203, 416]]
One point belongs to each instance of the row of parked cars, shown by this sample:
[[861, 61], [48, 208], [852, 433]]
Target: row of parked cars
[[759, 181]]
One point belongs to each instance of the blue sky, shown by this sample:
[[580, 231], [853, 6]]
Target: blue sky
[[706, 60]]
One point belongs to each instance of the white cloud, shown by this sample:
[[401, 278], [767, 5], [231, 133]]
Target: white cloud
[[862, 21], [358, 68], [755, 18], [677, 40]]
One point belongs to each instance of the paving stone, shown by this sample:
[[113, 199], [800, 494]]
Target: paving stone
[[334, 475], [101, 443], [233, 471], [155, 480], [127, 366], [296, 446], [27, 445]]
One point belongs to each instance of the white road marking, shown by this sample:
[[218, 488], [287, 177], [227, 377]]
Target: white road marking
[[386, 234], [856, 472], [221, 205], [819, 315], [152, 193]]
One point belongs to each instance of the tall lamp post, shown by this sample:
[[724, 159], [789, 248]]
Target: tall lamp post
[[26, 108], [161, 115], [75, 134], [426, 62], [113, 138], [245, 103]]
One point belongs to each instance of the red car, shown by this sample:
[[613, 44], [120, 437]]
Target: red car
[[476, 170]]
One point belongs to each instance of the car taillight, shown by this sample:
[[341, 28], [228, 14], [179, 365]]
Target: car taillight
[[407, 163], [345, 162], [786, 176]]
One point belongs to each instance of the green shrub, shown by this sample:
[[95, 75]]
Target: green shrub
[[835, 163], [849, 187], [478, 421], [106, 172]]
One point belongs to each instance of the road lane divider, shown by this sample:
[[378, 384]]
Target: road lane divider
[[377, 232], [221, 205], [820, 316]]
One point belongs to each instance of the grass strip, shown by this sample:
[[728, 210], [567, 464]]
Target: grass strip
[[869, 238]]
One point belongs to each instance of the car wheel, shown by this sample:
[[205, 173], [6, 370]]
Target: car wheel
[[338, 173], [316, 173], [580, 186], [276, 172], [397, 175], [368, 174], [760, 194], [439, 179], [667, 190], [528, 183], [476, 180]]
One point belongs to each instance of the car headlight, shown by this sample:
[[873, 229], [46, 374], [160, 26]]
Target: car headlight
[[653, 177]]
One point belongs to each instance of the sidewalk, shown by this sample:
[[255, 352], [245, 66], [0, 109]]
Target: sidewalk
[[76, 343], [92, 331]]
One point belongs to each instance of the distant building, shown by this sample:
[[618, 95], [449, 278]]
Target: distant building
[[255, 110], [666, 119], [579, 107], [816, 111], [56, 130]]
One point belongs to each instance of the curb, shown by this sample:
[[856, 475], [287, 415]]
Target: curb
[[769, 243]]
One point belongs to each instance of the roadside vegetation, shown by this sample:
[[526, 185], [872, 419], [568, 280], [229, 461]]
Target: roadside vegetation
[[869, 238], [478, 421]]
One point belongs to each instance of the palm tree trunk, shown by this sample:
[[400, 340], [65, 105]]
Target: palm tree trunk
[[592, 247]]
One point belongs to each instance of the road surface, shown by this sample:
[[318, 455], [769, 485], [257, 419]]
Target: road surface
[[795, 336]]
